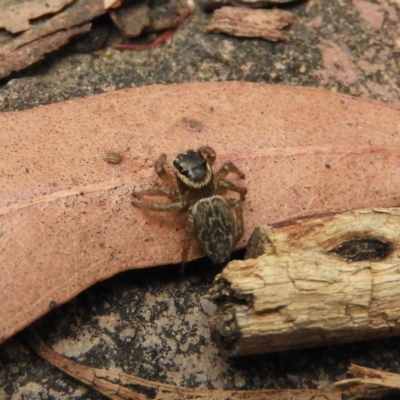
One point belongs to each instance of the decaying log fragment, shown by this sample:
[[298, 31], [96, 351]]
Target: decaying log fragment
[[250, 22], [319, 281]]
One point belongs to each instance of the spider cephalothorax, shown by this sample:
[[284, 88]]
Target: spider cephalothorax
[[209, 214]]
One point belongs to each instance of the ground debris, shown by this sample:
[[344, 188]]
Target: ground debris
[[246, 3], [146, 18], [118, 385], [250, 22], [44, 37], [368, 379], [16, 18]]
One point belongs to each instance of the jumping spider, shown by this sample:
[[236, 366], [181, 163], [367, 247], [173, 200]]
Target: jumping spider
[[209, 217]]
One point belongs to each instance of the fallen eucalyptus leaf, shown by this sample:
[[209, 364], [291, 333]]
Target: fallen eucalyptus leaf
[[66, 220]]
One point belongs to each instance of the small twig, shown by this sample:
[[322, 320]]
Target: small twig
[[371, 378]]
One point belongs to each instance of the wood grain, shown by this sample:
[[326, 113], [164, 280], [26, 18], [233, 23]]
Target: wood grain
[[320, 281]]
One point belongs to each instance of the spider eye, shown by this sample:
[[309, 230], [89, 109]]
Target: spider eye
[[191, 165], [177, 164]]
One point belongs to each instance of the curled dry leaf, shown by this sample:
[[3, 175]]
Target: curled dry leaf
[[66, 220], [250, 22]]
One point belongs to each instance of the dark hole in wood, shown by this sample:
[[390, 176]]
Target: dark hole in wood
[[361, 249]]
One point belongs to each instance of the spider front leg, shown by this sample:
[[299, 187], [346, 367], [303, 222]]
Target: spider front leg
[[208, 153], [160, 169], [177, 205], [171, 194]]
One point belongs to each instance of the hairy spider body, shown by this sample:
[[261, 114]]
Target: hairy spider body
[[209, 215], [214, 227]]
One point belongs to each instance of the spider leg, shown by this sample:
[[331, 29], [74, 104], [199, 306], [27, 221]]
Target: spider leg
[[160, 169], [189, 230], [177, 205], [208, 153], [226, 168], [223, 185], [239, 224], [170, 193]]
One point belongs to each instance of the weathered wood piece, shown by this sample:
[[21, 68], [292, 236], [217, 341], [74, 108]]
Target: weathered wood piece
[[319, 281], [250, 22]]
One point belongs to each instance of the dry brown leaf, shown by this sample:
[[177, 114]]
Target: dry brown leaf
[[250, 22], [16, 18], [65, 216], [47, 36]]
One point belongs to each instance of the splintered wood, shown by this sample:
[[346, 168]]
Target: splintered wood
[[317, 281], [366, 379]]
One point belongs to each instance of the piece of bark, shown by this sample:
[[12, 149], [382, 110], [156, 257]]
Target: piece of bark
[[321, 281], [16, 18], [250, 22], [66, 220], [25, 56], [32, 45], [248, 3]]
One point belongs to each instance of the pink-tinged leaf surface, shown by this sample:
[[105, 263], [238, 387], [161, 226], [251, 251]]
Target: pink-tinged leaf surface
[[65, 216]]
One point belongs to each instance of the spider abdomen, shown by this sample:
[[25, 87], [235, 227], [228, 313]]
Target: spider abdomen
[[214, 227]]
